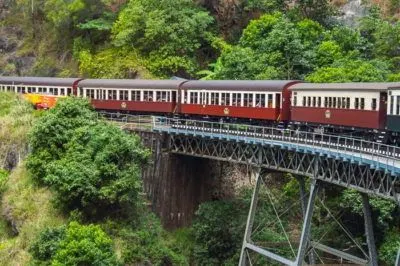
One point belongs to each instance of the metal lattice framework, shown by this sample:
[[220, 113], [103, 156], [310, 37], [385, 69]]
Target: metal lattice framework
[[333, 170], [369, 167]]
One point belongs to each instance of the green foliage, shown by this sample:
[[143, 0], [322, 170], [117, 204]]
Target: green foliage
[[112, 63], [351, 71], [390, 247], [318, 10], [53, 131], [46, 245], [266, 5], [100, 171], [169, 32], [217, 236], [384, 208], [91, 165], [84, 245], [148, 244], [3, 180]]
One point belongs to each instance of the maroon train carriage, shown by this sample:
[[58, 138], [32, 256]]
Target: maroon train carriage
[[135, 95], [41, 85], [264, 100], [352, 105]]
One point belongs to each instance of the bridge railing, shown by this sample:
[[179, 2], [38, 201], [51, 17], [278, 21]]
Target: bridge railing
[[390, 155]]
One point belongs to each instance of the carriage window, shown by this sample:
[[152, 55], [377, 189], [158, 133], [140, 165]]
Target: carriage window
[[309, 102], [55, 91], [398, 105], [330, 102], [236, 99], [304, 101], [90, 93], [334, 102], [294, 101], [148, 96], [19, 89], [356, 103], [270, 101], [362, 105], [51, 91], [373, 104], [319, 101], [225, 99], [194, 97], [314, 101], [69, 91], [161, 96], [136, 96], [124, 95], [247, 100], [339, 102], [9, 88], [325, 101], [112, 94], [214, 98], [391, 105], [260, 100], [62, 91]]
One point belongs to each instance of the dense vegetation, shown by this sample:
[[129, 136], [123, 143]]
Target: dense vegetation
[[77, 199], [277, 39]]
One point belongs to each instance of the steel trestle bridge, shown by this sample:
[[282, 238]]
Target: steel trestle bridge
[[368, 167]]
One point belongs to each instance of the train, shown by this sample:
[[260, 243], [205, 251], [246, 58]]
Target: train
[[367, 110]]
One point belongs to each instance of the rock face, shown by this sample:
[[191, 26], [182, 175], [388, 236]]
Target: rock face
[[10, 41], [176, 185], [351, 12]]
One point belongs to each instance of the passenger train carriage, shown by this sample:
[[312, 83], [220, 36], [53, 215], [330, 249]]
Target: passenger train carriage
[[354, 105], [363, 109], [153, 96], [263, 100]]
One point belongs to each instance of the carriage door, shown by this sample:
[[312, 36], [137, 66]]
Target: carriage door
[[278, 101]]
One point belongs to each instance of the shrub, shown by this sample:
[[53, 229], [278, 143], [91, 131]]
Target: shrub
[[85, 245], [100, 172], [47, 244], [53, 130]]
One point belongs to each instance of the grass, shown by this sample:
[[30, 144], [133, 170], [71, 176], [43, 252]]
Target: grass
[[25, 209], [29, 209]]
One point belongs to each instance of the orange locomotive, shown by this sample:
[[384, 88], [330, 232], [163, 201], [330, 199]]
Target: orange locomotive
[[41, 101]]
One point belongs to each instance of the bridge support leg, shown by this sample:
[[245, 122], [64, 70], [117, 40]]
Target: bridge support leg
[[305, 233], [373, 257], [303, 202], [250, 219]]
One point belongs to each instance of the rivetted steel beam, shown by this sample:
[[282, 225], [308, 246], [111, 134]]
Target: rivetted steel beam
[[340, 254], [303, 202], [269, 254], [305, 233], [250, 219], [369, 231]]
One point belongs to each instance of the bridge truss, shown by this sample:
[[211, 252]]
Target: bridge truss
[[368, 167]]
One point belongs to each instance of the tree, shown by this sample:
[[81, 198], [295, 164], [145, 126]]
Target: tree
[[218, 237], [350, 70], [85, 245], [51, 133], [168, 32], [100, 171]]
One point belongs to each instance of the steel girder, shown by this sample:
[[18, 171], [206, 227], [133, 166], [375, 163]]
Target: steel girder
[[338, 171]]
